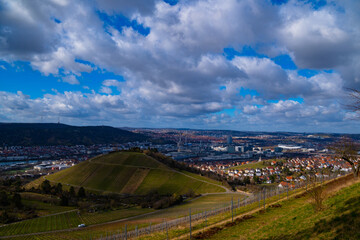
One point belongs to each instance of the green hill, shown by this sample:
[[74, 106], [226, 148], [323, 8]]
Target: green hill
[[29, 134], [297, 219], [133, 173]]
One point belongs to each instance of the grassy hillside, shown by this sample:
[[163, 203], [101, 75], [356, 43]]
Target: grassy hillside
[[296, 219], [134, 173], [28, 134], [254, 165]]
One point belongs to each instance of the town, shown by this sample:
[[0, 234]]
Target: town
[[244, 158]]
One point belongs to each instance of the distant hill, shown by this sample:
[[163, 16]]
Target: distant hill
[[29, 134], [132, 173]]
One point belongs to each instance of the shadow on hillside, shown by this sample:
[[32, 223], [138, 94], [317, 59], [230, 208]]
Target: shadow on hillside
[[345, 226]]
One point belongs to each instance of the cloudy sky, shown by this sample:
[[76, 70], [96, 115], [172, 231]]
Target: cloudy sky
[[280, 65]]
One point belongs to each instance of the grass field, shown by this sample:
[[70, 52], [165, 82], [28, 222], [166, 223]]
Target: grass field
[[42, 224], [296, 219], [254, 165], [126, 172], [68, 220], [43, 209], [94, 218], [198, 205], [292, 219]]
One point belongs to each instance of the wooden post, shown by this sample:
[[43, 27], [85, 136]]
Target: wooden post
[[190, 221], [232, 212], [205, 219], [125, 231], [287, 191], [167, 232], [264, 198]]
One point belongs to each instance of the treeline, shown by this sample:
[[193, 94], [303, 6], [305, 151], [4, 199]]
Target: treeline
[[11, 206], [93, 202], [67, 197], [45, 134]]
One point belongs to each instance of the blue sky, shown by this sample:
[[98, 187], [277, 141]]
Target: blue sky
[[241, 65]]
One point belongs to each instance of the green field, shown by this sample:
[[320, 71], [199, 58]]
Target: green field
[[120, 172], [197, 205], [291, 219], [68, 220], [42, 224], [296, 219], [72, 219], [95, 218], [134, 173], [254, 165]]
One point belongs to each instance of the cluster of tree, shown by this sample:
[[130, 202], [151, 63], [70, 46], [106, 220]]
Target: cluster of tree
[[157, 201], [12, 184], [67, 198], [9, 202], [98, 202]]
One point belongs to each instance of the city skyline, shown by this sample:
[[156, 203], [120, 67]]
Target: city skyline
[[240, 65]]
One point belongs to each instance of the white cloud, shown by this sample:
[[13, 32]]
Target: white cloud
[[71, 79], [176, 71], [106, 90]]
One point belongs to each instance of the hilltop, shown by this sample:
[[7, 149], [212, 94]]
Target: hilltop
[[40, 134], [131, 173]]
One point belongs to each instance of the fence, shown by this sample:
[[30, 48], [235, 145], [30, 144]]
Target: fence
[[259, 197]]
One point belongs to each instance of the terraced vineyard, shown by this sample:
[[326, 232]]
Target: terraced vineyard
[[42, 224], [126, 172], [95, 218]]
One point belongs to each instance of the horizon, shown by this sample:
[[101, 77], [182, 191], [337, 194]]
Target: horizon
[[185, 129], [264, 66]]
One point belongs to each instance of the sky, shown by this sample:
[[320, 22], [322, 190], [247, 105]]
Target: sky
[[265, 65]]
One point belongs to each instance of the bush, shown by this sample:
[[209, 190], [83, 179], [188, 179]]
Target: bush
[[317, 195], [81, 193], [45, 186]]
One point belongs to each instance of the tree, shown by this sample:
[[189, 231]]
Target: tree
[[4, 201], [272, 178], [17, 201], [317, 193], [64, 201], [247, 180], [347, 150], [81, 192], [72, 191], [58, 188], [45, 186], [354, 95]]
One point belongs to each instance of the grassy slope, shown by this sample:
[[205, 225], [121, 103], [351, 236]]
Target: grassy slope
[[296, 219], [255, 165], [198, 205], [125, 172], [250, 166], [42, 224]]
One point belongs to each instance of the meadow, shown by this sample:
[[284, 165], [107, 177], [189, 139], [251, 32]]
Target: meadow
[[132, 173]]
